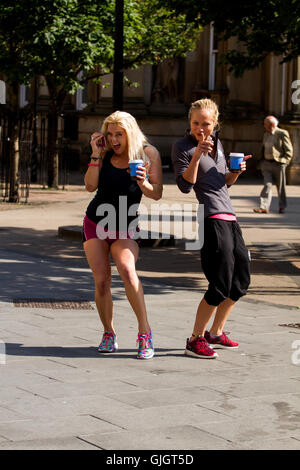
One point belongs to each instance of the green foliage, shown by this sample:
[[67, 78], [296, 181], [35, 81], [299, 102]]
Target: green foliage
[[260, 26], [60, 38], [76, 38], [153, 33]]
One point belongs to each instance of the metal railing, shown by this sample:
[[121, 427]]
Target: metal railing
[[25, 146], [32, 156], [4, 157]]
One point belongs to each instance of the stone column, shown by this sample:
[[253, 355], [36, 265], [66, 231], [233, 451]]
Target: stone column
[[292, 122], [293, 170]]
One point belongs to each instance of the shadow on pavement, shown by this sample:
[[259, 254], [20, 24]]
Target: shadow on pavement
[[17, 349], [39, 264]]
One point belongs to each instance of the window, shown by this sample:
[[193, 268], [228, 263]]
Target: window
[[213, 52], [82, 95], [2, 92], [24, 95]]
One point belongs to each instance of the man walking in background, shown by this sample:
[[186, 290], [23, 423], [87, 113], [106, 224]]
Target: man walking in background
[[276, 155]]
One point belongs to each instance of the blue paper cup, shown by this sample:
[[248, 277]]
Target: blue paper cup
[[133, 166], [235, 161]]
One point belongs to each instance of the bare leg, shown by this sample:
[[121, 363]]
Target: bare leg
[[222, 313], [97, 254], [204, 313], [125, 255]]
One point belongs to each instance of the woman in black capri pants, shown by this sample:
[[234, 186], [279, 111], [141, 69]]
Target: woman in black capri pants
[[199, 164]]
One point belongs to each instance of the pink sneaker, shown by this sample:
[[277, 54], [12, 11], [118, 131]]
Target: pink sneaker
[[109, 343], [145, 346], [221, 341], [200, 348]]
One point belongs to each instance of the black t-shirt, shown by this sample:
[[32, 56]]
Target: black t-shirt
[[117, 194]]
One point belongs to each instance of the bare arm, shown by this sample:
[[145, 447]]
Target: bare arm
[[230, 178], [152, 187], [91, 178]]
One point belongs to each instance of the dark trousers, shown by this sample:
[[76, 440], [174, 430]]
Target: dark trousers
[[225, 261]]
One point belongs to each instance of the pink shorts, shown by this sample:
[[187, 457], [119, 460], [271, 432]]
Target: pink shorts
[[92, 230]]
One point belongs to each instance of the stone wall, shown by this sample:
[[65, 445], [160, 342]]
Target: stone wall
[[162, 98]]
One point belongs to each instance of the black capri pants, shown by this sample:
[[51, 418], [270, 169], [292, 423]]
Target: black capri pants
[[225, 261]]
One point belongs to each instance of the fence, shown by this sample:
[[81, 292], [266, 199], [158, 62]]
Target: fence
[[33, 162], [25, 148], [63, 150], [4, 157]]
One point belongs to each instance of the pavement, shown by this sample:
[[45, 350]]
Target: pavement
[[57, 392]]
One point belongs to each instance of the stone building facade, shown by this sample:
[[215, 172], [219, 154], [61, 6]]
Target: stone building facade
[[162, 98]]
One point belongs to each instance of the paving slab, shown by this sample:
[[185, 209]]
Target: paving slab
[[186, 437], [61, 443], [58, 392]]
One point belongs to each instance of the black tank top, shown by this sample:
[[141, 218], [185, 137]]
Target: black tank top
[[116, 188]]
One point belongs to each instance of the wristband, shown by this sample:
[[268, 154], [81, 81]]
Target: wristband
[[93, 164], [96, 158]]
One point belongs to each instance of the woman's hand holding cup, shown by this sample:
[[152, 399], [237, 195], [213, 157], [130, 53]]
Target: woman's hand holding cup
[[138, 171], [141, 174]]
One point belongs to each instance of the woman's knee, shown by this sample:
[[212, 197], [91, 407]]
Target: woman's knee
[[128, 273], [102, 284]]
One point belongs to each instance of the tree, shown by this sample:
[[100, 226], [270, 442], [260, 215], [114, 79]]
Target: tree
[[81, 36], [62, 38], [261, 27], [15, 70], [76, 36]]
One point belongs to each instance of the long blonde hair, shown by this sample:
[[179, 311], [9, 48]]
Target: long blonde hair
[[135, 137]]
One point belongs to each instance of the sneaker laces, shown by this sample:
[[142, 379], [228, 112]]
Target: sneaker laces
[[201, 344], [107, 339], [144, 341], [224, 334], [200, 339]]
